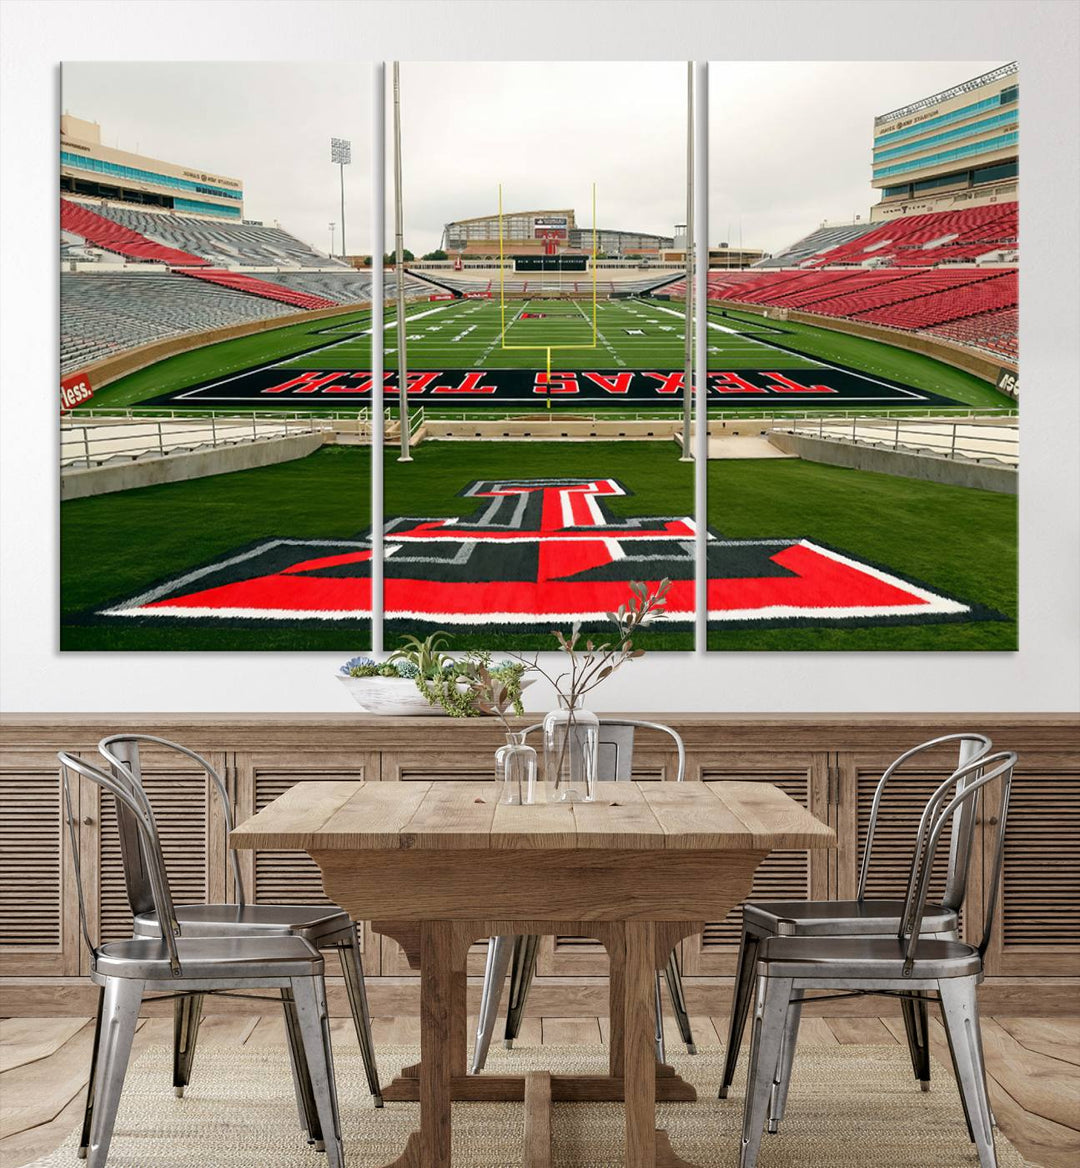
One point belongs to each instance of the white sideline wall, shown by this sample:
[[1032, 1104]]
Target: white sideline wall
[[1043, 675]]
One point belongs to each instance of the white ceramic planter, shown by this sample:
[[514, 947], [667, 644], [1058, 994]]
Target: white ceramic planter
[[395, 696], [389, 696]]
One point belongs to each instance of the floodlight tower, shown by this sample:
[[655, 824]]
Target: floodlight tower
[[341, 153]]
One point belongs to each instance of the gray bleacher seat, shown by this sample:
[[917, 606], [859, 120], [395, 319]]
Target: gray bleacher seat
[[348, 287], [222, 243], [105, 312], [817, 241]]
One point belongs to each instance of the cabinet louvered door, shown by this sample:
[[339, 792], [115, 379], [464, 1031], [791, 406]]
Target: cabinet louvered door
[[787, 875], [1037, 926], [192, 831], [292, 877], [39, 916]]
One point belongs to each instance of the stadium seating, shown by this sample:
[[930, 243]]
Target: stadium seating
[[337, 287], [256, 287], [921, 299], [822, 240], [221, 243], [995, 331], [947, 304], [881, 289], [114, 237], [932, 239], [103, 313]]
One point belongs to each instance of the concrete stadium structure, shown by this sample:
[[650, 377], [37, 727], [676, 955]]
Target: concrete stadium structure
[[951, 150], [531, 232]]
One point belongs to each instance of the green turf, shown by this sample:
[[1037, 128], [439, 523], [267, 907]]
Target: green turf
[[429, 486], [953, 539], [470, 334], [867, 356], [114, 546], [479, 334], [959, 541], [219, 360]]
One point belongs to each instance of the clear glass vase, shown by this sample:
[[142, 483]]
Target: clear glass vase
[[571, 736], [515, 771]]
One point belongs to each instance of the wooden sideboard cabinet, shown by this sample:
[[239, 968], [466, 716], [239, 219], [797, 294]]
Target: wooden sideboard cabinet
[[829, 763]]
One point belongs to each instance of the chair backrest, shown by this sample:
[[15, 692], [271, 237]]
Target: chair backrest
[[970, 748], [961, 793], [131, 797], [615, 747], [121, 752]]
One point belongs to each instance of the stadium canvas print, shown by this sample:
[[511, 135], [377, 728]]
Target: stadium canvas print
[[861, 328], [544, 375], [215, 220], [848, 477]]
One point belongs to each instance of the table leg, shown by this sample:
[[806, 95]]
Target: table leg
[[639, 1051], [646, 948], [442, 1042]]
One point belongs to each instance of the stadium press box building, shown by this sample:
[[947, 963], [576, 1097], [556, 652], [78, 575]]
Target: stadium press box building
[[89, 168], [955, 149], [537, 232]]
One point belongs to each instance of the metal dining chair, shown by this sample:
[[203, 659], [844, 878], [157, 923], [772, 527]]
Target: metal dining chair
[[615, 756], [862, 916], [905, 965], [323, 926], [170, 964]]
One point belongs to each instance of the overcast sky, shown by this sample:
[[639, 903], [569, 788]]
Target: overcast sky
[[789, 142], [546, 131], [269, 125]]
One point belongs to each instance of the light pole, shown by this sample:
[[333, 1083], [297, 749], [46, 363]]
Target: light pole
[[341, 153], [332, 226], [402, 338]]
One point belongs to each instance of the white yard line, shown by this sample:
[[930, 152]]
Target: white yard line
[[296, 356]]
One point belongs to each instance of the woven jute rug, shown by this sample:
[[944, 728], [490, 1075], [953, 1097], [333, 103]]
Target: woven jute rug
[[849, 1107]]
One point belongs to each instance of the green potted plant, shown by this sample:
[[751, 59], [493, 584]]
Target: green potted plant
[[422, 678]]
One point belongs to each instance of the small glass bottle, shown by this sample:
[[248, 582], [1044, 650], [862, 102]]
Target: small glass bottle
[[571, 738], [515, 770]]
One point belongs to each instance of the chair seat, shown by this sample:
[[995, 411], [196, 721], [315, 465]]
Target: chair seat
[[313, 922], [839, 918], [874, 958], [211, 957]]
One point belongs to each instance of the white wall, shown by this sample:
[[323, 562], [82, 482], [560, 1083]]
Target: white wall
[[1043, 675]]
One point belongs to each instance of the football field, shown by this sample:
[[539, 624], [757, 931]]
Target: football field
[[499, 541], [476, 353], [279, 557]]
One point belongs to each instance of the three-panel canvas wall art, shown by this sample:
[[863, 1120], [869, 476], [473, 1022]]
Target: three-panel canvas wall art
[[750, 330]]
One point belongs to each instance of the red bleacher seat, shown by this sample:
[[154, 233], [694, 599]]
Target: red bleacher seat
[[269, 291], [996, 331], [998, 290], [965, 235], [104, 233]]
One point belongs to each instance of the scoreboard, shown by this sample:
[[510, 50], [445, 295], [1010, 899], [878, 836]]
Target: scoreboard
[[551, 263]]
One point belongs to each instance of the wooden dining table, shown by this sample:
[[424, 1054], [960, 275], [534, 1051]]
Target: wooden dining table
[[438, 865]]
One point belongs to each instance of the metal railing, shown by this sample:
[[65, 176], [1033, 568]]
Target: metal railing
[[971, 440], [665, 414], [361, 414], [124, 438]]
